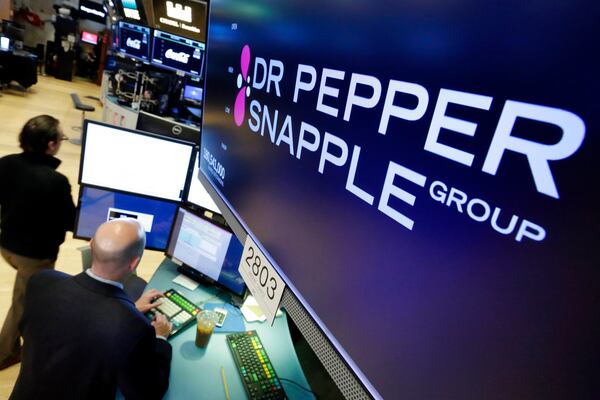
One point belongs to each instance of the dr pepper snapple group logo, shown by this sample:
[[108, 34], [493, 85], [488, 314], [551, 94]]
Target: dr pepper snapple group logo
[[290, 121]]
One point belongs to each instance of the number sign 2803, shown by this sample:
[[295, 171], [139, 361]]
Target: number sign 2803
[[262, 279]]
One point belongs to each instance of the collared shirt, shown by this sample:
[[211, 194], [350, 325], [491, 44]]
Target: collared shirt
[[108, 281]]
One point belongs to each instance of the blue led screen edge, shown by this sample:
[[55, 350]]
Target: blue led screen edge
[[422, 173]]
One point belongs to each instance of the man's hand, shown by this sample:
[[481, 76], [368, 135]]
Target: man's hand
[[162, 326], [144, 303]]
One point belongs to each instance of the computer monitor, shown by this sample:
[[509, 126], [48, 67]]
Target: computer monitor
[[132, 10], [192, 93], [93, 11], [134, 40], [177, 53], [13, 30], [98, 205], [166, 127], [4, 43], [197, 194], [90, 38], [135, 162], [206, 251], [421, 176]]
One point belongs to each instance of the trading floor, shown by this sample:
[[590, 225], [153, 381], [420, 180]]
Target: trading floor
[[50, 96]]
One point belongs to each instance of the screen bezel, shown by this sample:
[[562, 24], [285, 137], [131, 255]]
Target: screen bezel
[[125, 52], [191, 271], [143, 133], [84, 186], [199, 74]]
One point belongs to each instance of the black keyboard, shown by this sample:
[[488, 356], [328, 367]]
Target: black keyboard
[[259, 378], [179, 310]]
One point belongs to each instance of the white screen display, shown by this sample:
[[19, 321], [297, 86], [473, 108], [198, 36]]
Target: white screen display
[[136, 163], [198, 195]]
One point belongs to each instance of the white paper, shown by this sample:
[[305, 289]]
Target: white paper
[[185, 282]]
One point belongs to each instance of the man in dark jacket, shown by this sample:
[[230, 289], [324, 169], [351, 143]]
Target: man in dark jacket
[[36, 209], [82, 336]]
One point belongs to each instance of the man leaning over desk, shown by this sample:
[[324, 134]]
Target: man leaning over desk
[[84, 338]]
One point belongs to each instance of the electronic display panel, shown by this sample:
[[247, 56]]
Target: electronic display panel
[[132, 10], [197, 194], [93, 11], [97, 206], [181, 17], [207, 249], [135, 162], [433, 166], [177, 53], [88, 37], [192, 93], [134, 40]]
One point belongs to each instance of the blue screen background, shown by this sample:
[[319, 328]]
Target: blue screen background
[[450, 309], [93, 209]]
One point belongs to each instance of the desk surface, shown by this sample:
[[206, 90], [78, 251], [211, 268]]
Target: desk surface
[[196, 373]]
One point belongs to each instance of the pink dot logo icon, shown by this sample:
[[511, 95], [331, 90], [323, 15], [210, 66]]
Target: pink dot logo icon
[[243, 84]]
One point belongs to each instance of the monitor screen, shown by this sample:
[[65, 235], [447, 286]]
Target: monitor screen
[[197, 194], [433, 166], [97, 206], [93, 11], [208, 249], [90, 38], [132, 10], [4, 43], [181, 17], [134, 162], [134, 40], [192, 93], [177, 53]]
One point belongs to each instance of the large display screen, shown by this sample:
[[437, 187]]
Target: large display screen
[[423, 175], [134, 40], [97, 206], [134, 162], [182, 17], [92, 11], [177, 53], [208, 249]]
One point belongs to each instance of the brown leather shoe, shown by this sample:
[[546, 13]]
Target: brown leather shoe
[[10, 361]]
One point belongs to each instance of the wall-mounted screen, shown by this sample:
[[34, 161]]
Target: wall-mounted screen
[[134, 40], [88, 37], [97, 206], [92, 11], [134, 162], [423, 176], [182, 17], [132, 10], [177, 53], [209, 250]]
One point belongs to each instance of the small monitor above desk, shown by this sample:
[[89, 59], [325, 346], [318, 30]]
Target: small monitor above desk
[[206, 251]]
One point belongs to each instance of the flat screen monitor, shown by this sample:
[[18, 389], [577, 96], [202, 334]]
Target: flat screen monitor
[[209, 251], [166, 127], [90, 38], [135, 162], [192, 93], [4, 43], [197, 194], [93, 11], [13, 30], [177, 53], [132, 10], [97, 205], [422, 178], [134, 40]]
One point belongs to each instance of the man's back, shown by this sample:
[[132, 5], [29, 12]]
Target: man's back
[[37, 208], [83, 339]]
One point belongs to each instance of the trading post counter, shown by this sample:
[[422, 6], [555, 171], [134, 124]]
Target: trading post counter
[[196, 372]]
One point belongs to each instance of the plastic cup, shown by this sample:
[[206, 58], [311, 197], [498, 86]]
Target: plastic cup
[[205, 325]]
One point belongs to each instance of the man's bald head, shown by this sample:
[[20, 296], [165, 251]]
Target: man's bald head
[[115, 246]]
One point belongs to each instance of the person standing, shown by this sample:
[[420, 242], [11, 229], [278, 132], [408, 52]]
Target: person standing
[[36, 210], [84, 338]]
